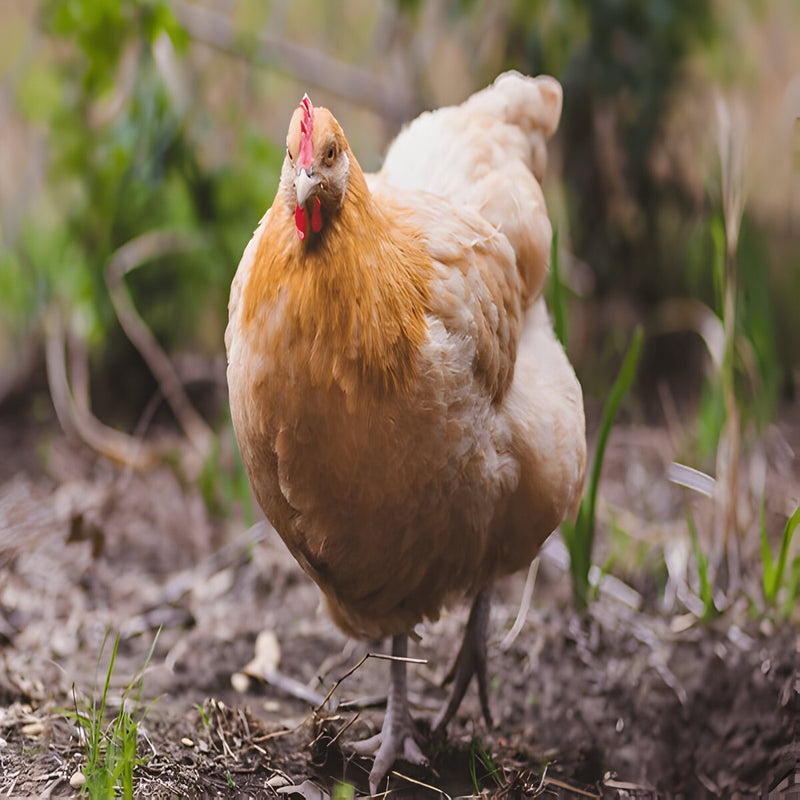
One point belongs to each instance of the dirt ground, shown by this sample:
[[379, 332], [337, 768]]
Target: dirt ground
[[629, 700]]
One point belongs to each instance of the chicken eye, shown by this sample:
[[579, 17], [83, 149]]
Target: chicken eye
[[330, 155]]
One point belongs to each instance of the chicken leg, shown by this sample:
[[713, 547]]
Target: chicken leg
[[471, 660], [397, 738]]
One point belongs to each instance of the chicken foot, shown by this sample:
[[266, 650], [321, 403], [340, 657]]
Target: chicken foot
[[397, 738], [471, 660]]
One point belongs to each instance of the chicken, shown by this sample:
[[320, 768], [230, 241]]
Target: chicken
[[409, 423]]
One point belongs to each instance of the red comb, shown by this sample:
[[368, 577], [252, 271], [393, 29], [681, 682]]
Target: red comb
[[306, 155]]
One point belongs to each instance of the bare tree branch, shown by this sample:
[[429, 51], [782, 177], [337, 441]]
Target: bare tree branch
[[392, 98], [131, 255], [77, 419]]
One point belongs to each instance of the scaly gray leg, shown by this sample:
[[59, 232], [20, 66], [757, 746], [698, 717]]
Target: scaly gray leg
[[397, 738], [471, 660]]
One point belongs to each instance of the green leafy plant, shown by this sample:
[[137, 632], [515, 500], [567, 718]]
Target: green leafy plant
[[579, 537], [773, 570], [111, 747]]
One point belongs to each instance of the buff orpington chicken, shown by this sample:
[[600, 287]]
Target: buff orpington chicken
[[409, 423]]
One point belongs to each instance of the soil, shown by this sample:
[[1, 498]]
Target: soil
[[634, 698]]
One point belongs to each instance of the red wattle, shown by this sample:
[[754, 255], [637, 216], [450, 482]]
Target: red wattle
[[301, 222], [316, 217]]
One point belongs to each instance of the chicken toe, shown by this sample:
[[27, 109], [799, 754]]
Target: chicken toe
[[398, 737], [471, 660]]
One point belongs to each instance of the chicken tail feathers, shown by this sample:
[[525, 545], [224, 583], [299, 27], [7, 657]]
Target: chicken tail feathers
[[531, 104]]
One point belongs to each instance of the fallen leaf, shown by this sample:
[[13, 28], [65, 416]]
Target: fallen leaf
[[306, 789], [267, 656]]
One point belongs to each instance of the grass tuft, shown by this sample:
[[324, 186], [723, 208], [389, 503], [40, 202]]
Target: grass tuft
[[773, 571], [710, 609], [111, 749], [479, 755]]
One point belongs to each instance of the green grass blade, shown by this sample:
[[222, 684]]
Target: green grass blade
[[717, 231], [99, 753], [792, 586], [129, 739], [706, 594], [95, 768], [767, 565], [771, 588], [618, 391], [556, 293], [139, 682], [579, 538], [473, 775], [109, 672]]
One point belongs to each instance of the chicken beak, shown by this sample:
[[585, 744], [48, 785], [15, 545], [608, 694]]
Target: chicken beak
[[305, 185]]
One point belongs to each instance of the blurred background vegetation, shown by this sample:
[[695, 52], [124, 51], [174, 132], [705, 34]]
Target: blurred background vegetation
[[141, 140]]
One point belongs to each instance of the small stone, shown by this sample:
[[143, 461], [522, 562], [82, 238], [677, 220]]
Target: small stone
[[240, 682], [77, 780], [277, 781], [33, 729], [187, 742]]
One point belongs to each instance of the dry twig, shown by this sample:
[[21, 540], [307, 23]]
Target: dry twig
[[131, 255], [72, 412], [731, 141], [383, 656]]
